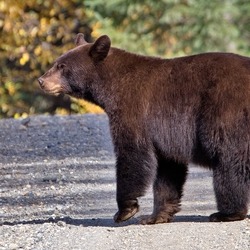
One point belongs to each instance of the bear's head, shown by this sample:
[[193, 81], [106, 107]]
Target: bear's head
[[74, 72]]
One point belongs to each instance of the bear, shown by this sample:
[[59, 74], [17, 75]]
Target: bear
[[165, 113]]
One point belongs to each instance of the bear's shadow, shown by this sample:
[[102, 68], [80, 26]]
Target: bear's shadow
[[101, 222]]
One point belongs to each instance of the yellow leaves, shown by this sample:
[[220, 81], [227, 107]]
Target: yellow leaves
[[62, 111], [43, 23], [52, 12], [24, 59], [38, 50], [11, 87], [23, 115], [96, 29], [8, 25], [49, 38], [91, 108], [4, 108], [3, 5], [82, 106], [34, 32], [22, 32]]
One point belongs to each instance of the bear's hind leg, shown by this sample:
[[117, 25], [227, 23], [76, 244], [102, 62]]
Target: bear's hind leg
[[231, 187], [168, 187]]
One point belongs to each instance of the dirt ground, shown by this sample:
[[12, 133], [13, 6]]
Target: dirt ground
[[57, 191]]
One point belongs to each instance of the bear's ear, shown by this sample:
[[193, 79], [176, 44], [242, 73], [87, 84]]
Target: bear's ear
[[100, 49], [79, 40]]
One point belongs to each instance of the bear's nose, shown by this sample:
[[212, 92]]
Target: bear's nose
[[40, 80]]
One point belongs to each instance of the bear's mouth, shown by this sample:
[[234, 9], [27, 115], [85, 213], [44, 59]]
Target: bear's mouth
[[54, 92]]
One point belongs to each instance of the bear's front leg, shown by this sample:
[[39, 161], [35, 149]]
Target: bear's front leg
[[135, 169], [127, 209]]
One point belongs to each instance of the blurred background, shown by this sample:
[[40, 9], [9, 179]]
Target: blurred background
[[34, 33]]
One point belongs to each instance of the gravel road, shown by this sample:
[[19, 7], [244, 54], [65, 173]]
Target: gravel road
[[57, 191]]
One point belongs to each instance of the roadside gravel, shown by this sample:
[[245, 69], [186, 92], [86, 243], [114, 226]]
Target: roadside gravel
[[57, 191]]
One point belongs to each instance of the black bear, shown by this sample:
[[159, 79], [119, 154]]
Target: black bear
[[164, 114]]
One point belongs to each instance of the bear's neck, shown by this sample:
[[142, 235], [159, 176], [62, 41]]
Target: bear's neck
[[122, 64], [122, 74]]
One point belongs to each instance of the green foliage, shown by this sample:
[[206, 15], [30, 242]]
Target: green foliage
[[175, 27], [35, 32]]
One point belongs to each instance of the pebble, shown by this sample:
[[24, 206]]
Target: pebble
[[85, 129], [13, 246], [61, 223], [25, 121]]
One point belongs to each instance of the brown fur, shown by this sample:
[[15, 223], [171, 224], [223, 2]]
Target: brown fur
[[164, 114]]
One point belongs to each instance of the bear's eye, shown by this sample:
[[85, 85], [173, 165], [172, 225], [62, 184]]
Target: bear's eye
[[61, 66]]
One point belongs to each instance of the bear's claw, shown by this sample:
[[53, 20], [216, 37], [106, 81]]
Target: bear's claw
[[126, 213], [220, 217], [155, 219]]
